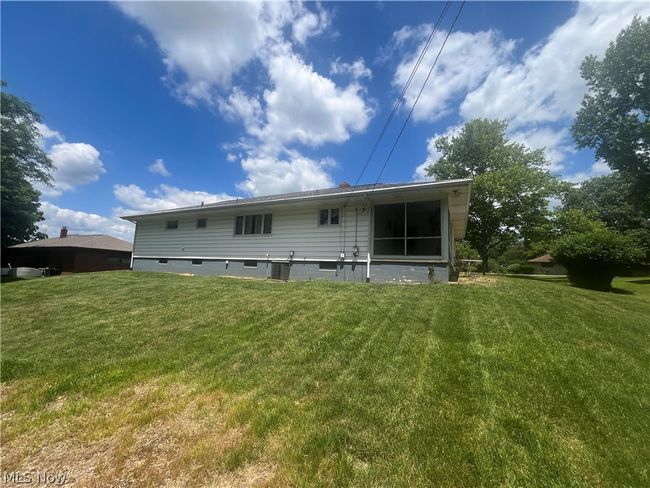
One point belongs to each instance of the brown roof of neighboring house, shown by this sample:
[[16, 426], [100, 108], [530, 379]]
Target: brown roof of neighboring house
[[93, 241], [546, 258]]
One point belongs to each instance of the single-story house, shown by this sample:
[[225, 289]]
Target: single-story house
[[547, 265], [385, 232], [72, 253]]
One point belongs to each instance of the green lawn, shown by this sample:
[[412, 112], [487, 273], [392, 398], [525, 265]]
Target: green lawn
[[187, 381]]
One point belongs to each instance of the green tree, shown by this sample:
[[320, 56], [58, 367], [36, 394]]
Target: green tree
[[511, 183], [610, 199], [23, 162], [614, 118]]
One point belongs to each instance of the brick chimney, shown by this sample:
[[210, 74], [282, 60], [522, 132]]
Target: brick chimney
[[344, 184], [64, 232]]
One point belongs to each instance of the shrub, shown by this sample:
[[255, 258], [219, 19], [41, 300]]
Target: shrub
[[519, 268], [592, 258]]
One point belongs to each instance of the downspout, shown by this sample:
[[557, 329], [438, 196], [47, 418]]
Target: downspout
[[368, 269], [135, 233]]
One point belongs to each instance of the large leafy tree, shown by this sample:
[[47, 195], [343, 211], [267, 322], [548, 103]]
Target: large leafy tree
[[610, 199], [614, 118], [23, 162], [511, 186]]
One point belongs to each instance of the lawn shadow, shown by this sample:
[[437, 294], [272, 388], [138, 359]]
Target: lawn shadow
[[563, 280], [643, 281], [545, 278]]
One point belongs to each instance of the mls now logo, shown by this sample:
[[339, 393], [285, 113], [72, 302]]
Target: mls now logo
[[37, 478]]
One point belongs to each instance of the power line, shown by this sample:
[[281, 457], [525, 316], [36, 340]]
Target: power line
[[399, 135], [399, 98]]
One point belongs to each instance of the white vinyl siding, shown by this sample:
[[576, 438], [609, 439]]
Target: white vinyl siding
[[294, 229]]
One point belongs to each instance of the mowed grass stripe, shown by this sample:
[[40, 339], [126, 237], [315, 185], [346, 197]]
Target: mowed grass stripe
[[511, 383]]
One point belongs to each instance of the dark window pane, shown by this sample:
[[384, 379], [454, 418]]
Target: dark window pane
[[162, 261], [197, 262], [268, 219], [327, 266], [389, 247], [389, 220], [257, 227], [201, 223], [423, 247], [239, 225], [324, 217], [334, 216], [250, 264], [172, 224], [423, 219]]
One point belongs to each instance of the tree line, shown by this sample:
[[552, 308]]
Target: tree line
[[600, 226]]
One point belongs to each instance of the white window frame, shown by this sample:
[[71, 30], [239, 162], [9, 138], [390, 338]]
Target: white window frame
[[329, 216], [243, 228]]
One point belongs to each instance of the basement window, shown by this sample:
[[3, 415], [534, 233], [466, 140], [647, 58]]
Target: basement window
[[197, 262], [250, 264], [172, 224], [201, 223], [327, 266], [162, 261]]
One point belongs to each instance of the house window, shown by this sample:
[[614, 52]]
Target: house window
[[201, 223], [253, 224], [408, 229], [329, 216], [250, 264], [172, 224], [327, 266], [197, 262], [162, 261]]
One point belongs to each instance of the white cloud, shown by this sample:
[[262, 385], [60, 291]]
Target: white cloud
[[209, 42], [302, 106], [309, 24], [75, 164], [545, 86], [79, 222], [540, 93], [268, 174], [164, 197], [465, 62], [205, 45], [433, 154], [599, 168], [48, 134], [305, 107], [357, 69], [555, 142], [158, 168]]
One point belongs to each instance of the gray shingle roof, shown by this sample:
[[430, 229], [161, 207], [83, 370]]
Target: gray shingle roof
[[306, 194], [93, 241]]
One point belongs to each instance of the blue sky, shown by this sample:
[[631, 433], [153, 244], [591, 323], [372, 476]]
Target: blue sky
[[155, 105]]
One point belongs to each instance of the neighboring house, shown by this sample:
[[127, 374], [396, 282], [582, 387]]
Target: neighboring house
[[73, 253], [547, 265], [391, 232]]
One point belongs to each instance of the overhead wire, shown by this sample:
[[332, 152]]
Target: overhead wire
[[408, 117], [400, 97]]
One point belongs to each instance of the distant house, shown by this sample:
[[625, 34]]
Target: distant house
[[387, 232], [547, 265], [73, 253]]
